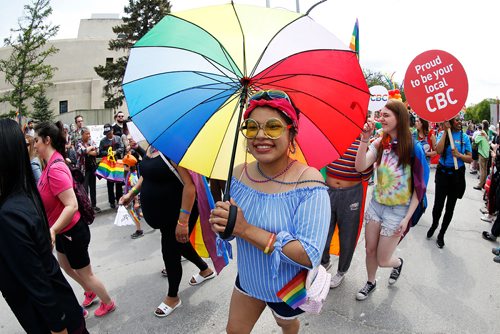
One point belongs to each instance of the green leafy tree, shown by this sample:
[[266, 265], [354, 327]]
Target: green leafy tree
[[142, 15], [374, 78], [480, 111], [25, 69], [41, 108]]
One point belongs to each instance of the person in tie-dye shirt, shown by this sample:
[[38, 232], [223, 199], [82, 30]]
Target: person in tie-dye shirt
[[394, 200]]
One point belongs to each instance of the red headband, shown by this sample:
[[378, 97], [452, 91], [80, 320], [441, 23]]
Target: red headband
[[279, 104]]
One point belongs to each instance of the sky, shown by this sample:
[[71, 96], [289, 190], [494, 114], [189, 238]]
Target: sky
[[392, 33]]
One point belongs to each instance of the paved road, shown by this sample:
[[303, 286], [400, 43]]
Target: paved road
[[453, 290]]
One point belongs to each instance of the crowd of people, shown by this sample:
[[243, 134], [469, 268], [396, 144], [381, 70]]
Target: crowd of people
[[287, 212]]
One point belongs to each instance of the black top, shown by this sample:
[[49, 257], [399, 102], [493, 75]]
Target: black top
[[161, 192], [117, 130], [31, 280]]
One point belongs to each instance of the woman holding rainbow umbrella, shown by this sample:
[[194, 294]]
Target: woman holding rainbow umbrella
[[187, 84]]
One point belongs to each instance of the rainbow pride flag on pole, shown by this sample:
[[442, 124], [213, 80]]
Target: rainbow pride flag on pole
[[294, 292], [354, 45]]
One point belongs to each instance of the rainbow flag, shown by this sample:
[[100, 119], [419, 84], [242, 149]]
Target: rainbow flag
[[202, 237], [110, 169], [354, 45], [294, 292]]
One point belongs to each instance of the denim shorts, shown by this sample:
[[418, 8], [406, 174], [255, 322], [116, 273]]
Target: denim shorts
[[281, 310], [389, 217]]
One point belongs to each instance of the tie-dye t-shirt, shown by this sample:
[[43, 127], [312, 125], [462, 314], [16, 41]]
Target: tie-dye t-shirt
[[393, 182]]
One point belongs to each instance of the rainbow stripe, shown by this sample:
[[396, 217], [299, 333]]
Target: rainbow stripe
[[197, 241], [294, 292], [112, 171], [354, 44], [203, 238], [133, 215]]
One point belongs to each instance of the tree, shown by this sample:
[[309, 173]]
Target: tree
[[142, 16], [25, 69], [480, 111], [375, 78], [41, 108]]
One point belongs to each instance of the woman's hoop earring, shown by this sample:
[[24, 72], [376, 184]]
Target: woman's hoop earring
[[292, 147]]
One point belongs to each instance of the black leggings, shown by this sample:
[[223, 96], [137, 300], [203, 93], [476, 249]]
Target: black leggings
[[446, 190], [172, 251], [495, 229], [89, 183]]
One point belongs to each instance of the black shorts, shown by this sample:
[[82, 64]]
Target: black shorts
[[75, 245], [281, 310]]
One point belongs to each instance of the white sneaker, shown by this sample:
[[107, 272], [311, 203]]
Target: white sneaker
[[484, 210], [487, 218], [336, 280]]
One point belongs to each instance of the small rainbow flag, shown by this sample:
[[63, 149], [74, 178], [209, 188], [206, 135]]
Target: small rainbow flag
[[354, 45], [294, 292]]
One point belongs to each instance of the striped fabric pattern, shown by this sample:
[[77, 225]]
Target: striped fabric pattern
[[343, 168], [301, 214]]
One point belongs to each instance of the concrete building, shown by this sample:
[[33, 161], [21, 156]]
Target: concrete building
[[77, 88]]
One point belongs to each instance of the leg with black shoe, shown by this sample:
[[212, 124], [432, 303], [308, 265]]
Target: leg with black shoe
[[448, 215], [111, 194], [90, 187], [495, 231], [119, 190], [439, 200]]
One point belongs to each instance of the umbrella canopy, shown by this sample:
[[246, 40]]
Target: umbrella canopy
[[187, 77]]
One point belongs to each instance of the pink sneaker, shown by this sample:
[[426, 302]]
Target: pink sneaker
[[90, 298], [104, 309]]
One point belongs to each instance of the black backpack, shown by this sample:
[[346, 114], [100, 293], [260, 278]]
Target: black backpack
[[87, 214]]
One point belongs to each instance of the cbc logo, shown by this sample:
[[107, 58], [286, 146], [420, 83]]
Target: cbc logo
[[379, 97], [441, 100]]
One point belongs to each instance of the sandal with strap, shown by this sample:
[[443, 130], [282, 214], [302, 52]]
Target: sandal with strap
[[165, 309], [198, 279]]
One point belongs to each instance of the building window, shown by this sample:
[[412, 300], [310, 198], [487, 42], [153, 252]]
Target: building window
[[109, 61], [63, 107], [108, 105]]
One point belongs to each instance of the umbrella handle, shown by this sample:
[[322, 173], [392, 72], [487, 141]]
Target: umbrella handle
[[231, 221]]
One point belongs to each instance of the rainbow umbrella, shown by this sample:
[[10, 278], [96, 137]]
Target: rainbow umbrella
[[188, 79]]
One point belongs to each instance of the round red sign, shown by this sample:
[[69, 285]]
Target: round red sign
[[436, 86]]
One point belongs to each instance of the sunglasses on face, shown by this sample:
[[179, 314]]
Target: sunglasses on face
[[273, 128], [270, 95]]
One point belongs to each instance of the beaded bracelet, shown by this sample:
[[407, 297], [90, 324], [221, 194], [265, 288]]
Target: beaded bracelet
[[185, 211], [181, 224], [365, 141], [135, 191], [269, 243]]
